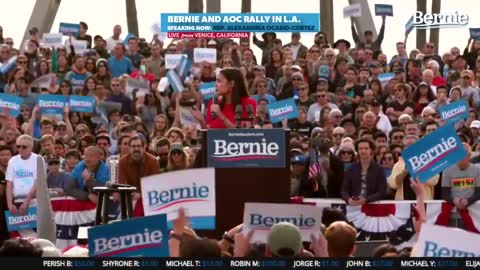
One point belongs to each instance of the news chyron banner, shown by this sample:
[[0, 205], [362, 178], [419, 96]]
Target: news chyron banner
[[235, 25], [246, 148]]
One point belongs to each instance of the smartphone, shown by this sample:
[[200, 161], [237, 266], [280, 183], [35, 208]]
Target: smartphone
[[143, 69]]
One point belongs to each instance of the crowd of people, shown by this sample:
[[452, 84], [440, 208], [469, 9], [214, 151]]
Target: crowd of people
[[345, 143]]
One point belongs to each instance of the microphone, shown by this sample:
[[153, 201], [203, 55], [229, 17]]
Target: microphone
[[238, 115], [250, 115], [214, 101]]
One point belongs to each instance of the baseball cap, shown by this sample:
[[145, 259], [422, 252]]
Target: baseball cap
[[468, 73], [61, 124], [297, 67], [375, 103], [285, 240], [322, 79], [298, 159], [259, 67], [475, 124], [176, 147], [316, 130], [212, 42]]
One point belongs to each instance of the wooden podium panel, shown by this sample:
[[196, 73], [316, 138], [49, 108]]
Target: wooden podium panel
[[236, 186]]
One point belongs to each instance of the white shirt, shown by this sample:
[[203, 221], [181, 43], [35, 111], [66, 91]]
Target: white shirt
[[112, 42], [315, 109], [22, 174], [295, 49]]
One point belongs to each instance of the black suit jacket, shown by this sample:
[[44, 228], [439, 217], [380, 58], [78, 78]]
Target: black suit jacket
[[334, 182], [376, 182]]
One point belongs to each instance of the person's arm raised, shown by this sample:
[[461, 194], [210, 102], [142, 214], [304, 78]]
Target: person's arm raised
[[31, 121]]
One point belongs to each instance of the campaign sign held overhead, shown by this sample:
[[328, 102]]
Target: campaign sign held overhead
[[284, 109], [204, 54], [260, 217], [475, 33], [246, 148], [19, 223], [436, 241], [51, 104], [11, 103], [354, 10], [137, 237], [70, 28], [383, 10], [455, 111], [208, 90], [434, 153], [82, 104], [194, 190]]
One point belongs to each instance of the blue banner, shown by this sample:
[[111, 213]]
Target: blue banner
[[475, 33], [19, 223], [455, 111], [184, 67], [208, 90], [125, 41], [283, 109], [137, 237], [70, 28], [174, 80], [434, 153], [239, 22], [82, 104], [246, 148], [11, 103], [51, 104], [409, 26], [383, 10]]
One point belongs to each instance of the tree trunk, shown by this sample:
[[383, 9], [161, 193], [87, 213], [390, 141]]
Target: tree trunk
[[246, 8], [421, 33], [132, 21], [195, 6], [326, 19], [435, 33], [213, 6]]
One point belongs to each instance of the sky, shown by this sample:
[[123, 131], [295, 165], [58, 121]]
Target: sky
[[102, 15]]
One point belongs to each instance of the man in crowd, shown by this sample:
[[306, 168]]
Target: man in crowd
[[89, 173], [118, 63], [365, 181], [136, 165], [21, 174], [115, 38], [461, 183]]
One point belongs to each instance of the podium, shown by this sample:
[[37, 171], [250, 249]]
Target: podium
[[241, 177]]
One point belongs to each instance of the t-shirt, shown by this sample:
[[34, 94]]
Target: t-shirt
[[22, 174], [118, 67], [461, 182], [229, 112], [363, 182]]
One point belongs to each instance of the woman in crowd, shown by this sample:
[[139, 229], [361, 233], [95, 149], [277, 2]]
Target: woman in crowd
[[177, 158], [387, 161], [422, 96], [89, 87], [160, 127], [274, 65], [103, 74]]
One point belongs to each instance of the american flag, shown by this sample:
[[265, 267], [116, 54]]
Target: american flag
[[314, 167]]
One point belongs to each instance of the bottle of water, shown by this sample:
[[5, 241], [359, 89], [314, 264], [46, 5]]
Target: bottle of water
[[113, 165]]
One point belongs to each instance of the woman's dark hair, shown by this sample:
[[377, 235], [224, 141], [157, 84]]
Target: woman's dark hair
[[352, 69], [331, 215], [380, 92], [19, 248], [91, 59], [239, 90], [39, 71], [271, 56], [85, 89], [370, 143], [68, 84], [430, 95], [395, 159], [381, 250]]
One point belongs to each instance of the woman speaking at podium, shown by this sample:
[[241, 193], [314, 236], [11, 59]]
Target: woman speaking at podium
[[231, 92]]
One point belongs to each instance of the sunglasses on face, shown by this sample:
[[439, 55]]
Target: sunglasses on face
[[315, 51], [346, 153], [22, 147], [360, 111], [337, 135], [296, 79], [398, 137], [21, 62], [10, 43], [329, 55], [115, 85], [321, 96], [54, 163], [388, 158]]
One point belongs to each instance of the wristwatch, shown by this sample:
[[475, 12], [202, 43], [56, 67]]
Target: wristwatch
[[176, 236], [228, 238]]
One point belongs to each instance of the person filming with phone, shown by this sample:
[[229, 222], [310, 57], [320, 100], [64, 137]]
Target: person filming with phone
[[231, 92]]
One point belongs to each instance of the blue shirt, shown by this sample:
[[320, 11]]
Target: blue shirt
[[102, 175], [118, 67], [77, 80]]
